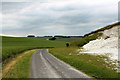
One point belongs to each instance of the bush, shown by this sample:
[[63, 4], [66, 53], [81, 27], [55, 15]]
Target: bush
[[53, 38], [30, 36]]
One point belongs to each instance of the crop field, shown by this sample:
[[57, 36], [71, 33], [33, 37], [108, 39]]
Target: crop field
[[68, 39], [62, 39], [14, 45]]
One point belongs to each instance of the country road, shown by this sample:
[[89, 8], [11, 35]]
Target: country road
[[44, 65]]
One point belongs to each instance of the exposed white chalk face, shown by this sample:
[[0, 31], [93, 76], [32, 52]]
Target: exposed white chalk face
[[119, 43], [103, 46], [111, 32]]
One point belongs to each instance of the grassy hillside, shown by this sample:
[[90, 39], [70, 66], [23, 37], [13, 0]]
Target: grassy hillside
[[102, 29], [85, 40], [14, 45], [92, 36], [93, 65]]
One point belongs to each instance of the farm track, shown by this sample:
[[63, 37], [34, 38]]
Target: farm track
[[44, 65]]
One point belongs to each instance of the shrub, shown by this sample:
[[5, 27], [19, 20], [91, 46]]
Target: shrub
[[53, 38]]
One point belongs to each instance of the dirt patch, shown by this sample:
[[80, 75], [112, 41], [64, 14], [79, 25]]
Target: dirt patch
[[12, 63]]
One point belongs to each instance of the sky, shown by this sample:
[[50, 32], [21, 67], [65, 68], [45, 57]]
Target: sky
[[53, 17]]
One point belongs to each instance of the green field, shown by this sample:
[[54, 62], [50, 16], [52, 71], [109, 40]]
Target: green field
[[93, 65], [14, 45], [61, 39], [68, 39]]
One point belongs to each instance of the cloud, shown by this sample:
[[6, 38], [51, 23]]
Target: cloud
[[67, 17]]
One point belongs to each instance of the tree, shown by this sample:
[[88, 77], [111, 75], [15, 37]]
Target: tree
[[53, 38], [30, 36]]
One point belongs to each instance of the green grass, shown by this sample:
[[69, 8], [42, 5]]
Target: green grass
[[92, 65], [61, 39], [21, 68], [85, 40], [14, 45], [68, 39], [43, 38]]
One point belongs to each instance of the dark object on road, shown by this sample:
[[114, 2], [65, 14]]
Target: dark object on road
[[53, 38], [30, 36], [67, 44]]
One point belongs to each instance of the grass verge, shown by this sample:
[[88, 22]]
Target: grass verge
[[93, 65], [18, 67]]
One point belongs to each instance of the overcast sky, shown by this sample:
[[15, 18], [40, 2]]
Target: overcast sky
[[51, 17]]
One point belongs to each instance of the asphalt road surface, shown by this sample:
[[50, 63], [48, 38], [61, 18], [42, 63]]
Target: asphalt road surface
[[44, 65]]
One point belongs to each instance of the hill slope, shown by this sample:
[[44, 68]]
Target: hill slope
[[102, 41], [106, 44]]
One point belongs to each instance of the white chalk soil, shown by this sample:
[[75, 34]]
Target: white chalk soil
[[107, 44], [103, 46], [107, 47]]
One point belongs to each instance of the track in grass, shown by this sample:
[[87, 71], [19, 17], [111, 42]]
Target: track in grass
[[44, 65]]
